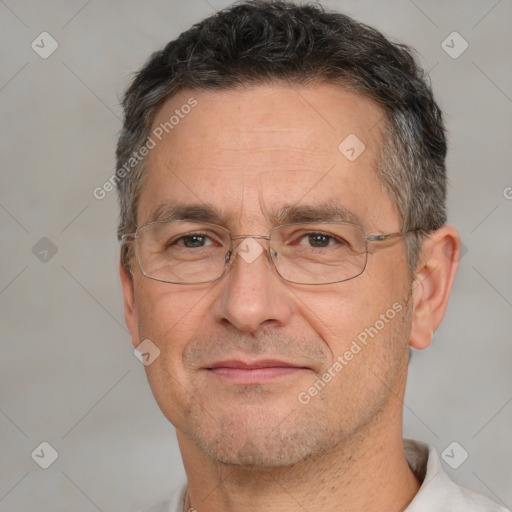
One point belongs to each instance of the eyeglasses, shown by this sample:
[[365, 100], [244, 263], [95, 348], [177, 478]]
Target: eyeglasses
[[184, 252]]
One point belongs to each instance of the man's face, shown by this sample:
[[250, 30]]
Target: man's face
[[249, 154]]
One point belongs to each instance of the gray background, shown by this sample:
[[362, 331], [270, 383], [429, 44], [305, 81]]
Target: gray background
[[67, 372]]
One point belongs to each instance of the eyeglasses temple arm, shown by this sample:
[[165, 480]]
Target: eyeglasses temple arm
[[381, 238], [130, 237]]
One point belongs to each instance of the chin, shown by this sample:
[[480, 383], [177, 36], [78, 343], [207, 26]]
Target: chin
[[260, 440]]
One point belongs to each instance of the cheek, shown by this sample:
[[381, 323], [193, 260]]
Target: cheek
[[170, 316], [341, 313], [163, 307]]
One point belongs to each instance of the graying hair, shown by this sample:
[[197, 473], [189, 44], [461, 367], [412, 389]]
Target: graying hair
[[266, 41]]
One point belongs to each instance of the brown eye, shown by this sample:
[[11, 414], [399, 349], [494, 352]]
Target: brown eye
[[194, 241], [319, 239]]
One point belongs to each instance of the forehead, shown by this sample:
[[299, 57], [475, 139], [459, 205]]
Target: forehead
[[251, 151]]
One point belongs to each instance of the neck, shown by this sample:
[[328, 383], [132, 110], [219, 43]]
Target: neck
[[368, 471]]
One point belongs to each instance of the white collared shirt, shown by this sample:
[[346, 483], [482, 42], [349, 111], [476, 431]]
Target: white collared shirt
[[438, 492]]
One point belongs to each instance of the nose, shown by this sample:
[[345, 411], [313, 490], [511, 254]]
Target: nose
[[251, 293]]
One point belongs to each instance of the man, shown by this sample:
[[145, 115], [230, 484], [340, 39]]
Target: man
[[282, 190]]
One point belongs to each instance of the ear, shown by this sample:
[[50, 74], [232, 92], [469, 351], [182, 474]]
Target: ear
[[431, 288], [130, 305]]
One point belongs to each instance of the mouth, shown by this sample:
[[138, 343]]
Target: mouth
[[258, 372]]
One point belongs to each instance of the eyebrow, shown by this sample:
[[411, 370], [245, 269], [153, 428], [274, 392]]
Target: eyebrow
[[288, 214], [325, 212], [186, 211]]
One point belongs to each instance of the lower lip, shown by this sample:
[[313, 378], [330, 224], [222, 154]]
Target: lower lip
[[254, 375]]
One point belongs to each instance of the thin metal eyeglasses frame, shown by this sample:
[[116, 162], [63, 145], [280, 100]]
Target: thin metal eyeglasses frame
[[132, 237]]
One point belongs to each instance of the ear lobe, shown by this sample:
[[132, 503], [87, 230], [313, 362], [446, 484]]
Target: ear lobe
[[130, 306], [431, 289]]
